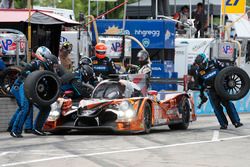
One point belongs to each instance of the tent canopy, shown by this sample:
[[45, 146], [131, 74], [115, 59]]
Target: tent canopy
[[46, 26], [37, 17]]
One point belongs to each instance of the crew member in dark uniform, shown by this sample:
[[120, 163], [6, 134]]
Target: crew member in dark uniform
[[102, 65], [206, 72]]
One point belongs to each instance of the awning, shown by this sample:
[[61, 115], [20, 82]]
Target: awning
[[37, 17]]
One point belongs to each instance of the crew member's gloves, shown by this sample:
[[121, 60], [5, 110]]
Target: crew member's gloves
[[203, 100]]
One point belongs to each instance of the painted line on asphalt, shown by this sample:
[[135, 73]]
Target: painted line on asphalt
[[216, 135], [123, 151]]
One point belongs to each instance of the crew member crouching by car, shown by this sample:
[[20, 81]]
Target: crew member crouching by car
[[46, 61], [205, 69]]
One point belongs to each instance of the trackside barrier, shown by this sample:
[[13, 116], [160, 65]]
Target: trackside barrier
[[242, 105]]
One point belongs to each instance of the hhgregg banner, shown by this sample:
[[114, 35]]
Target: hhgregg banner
[[153, 34]]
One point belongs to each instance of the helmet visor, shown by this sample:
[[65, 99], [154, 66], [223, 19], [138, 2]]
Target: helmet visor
[[100, 52]]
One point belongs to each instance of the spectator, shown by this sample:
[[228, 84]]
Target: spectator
[[65, 56], [182, 16], [200, 20]]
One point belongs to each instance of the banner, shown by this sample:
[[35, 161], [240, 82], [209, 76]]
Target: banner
[[233, 6], [153, 34]]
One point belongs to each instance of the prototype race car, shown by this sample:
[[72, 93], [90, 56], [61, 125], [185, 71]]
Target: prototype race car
[[119, 105]]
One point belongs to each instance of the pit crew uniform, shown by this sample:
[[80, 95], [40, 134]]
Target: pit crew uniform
[[25, 108], [103, 67], [206, 76]]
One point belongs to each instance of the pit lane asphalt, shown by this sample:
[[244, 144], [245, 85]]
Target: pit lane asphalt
[[203, 144]]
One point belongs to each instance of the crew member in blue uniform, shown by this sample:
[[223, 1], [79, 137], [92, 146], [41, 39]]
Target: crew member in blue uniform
[[25, 108], [206, 72], [102, 65]]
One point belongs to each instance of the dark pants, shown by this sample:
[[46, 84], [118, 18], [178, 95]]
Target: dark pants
[[217, 102]]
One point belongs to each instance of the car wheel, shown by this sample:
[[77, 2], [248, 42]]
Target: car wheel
[[8, 79], [147, 117], [184, 109], [42, 87], [232, 83]]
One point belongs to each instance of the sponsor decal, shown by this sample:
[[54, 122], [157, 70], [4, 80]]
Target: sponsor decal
[[146, 42], [144, 33], [228, 50]]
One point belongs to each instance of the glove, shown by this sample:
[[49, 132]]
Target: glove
[[203, 100]]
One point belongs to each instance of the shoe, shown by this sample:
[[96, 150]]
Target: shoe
[[239, 124], [38, 132], [9, 129], [16, 135], [223, 127], [27, 130]]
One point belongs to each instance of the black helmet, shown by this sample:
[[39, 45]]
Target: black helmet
[[87, 73], [49, 61], [202, 61], [143, 57], [85, 61]]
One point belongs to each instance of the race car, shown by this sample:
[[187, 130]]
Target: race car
[[119, 105]]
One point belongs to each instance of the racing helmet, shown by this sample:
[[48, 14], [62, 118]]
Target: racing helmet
[[100, 50], [50, 62], [85, 61], [202, 61], [42, 51], [87, 73], [67, 46], [143, 56]]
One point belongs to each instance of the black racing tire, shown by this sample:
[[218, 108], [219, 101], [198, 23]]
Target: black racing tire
[[42, 87], [232, 83], [147, 118], [61, 70], [184, 109], [10, 74]]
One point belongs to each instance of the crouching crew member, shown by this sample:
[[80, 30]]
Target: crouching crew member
[[25, 108], [206, 72]]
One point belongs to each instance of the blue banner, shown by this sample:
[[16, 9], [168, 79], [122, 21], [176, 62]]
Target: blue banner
[[153, 34], [242, 105]]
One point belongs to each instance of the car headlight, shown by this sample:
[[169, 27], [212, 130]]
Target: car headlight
[[54, 112], [126, 110], [125, 105], [53, 115]]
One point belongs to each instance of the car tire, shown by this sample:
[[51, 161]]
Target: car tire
[[42, 87], [10, 74], [232, 83], [147, 118], [184, 109]]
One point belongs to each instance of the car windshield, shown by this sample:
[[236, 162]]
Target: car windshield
[[115, 90], [110, 90]]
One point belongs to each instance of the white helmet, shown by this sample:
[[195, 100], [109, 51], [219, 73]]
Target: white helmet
[[43, 51]]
